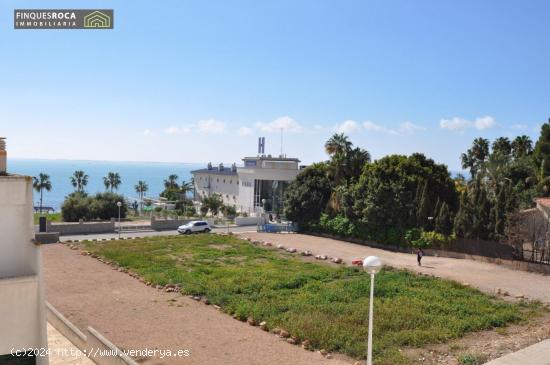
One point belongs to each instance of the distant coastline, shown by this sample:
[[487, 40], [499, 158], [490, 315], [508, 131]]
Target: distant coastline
[[60, 170]]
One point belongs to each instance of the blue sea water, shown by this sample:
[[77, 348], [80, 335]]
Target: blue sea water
[[60, 171]]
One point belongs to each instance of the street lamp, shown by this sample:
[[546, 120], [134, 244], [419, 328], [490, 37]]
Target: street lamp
[[372, 265], [119, 204]]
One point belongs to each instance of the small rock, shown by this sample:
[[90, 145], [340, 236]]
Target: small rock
[[159, 287], [306, 253], [263, 325], [520, 296], [197, 298], [276, 331], [291, 250], [358, 363], [268, 244], [217, 307], [248, 239], [206, 301], [498, 291], [280, 247], [284, 334], [306, 344], [323, 352], [251, 321], [291, 341], [337, 260], [329, 356]]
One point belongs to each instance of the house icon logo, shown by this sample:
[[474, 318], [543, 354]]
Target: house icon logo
[[97, 19]]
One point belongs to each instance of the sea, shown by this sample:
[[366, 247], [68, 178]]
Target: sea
[[60, 171]]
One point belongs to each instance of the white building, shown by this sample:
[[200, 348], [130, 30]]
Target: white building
[[22, 307], [261, 177]]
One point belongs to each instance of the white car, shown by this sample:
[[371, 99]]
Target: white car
[[194, 226]]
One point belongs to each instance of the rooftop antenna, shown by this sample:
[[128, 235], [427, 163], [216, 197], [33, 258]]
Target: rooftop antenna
[[261, 145]]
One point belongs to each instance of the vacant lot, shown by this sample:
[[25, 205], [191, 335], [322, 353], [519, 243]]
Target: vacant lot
[[325, 305]]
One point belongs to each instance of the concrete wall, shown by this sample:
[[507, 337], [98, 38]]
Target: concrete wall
[[166, 224], [225, 185], [22, 310], [46, 237], [66, 229], [248, 221], [66, 328], [18, 313], [100, 344]]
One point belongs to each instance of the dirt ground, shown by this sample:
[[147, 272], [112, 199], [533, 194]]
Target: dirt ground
[[485, 276], [135, 316]]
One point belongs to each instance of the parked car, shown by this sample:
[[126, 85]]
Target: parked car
[[194, 227]]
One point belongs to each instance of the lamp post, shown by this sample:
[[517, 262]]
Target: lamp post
[[119, 204], [372, 265]]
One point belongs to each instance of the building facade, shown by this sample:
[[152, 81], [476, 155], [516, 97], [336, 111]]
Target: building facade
[[22, 306], [256, 186]]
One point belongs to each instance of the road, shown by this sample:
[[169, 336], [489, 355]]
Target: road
[[241, 229]]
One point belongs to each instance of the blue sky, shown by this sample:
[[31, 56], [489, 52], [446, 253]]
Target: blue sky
[[195, 81]]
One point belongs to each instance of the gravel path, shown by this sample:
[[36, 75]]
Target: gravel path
[[484, 276], [135, 316]]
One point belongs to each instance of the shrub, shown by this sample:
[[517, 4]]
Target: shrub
[[229, 211], [76, 207], [435, 239], [338, 225], [101, 206]]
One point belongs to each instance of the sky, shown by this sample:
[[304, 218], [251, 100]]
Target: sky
[[198, 81]]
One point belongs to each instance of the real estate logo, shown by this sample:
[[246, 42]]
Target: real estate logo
[[63, 18], [97, 19]]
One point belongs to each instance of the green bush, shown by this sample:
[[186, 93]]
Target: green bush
[[76, 207], [101, 206], [437, 240], [339, 225]]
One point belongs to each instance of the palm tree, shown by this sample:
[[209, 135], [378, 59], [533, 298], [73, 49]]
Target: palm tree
[[338, 144], [40, 184], [79, 180], [522, 146], [141, 188], [112, 181], [172, 182]]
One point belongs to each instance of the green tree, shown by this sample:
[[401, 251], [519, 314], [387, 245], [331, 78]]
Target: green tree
[[443, 221], [141, 189], [307, 196], [502, 146], [541, 154], [500, 212], [463, 219], [214, 203], [41, 183], [385, 199], [522, 146], [79, 180], [171, 183], [112, 181], [475, 156]]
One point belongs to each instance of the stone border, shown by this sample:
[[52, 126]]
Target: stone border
[[65, 327], [94, 340]]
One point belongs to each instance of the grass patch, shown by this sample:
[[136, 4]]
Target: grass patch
[[472, 359], [324, 304], [52, 217]]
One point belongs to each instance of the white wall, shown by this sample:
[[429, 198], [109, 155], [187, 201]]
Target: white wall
[[22, 308]]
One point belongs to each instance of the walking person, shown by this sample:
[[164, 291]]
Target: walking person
[[419, 254]]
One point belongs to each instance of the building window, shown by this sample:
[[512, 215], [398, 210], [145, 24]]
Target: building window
[[218, 180], [224, 181], [231, 181]]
